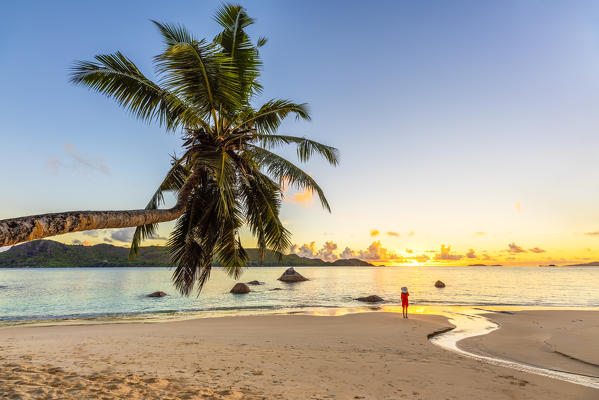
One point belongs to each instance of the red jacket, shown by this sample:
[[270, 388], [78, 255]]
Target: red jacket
[[404, 299]]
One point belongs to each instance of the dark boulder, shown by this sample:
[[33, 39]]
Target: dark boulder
[[255, 283], [291, 275], [157, 294], [439, 284], [370, 299], [240, 288]]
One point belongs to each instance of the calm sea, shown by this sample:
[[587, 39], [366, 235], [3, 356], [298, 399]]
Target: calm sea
[[62, 293]]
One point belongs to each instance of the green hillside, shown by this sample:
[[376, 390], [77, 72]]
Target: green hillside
[[49, 254]]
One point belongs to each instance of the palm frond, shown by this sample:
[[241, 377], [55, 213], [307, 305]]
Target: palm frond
[[173, 181], [192, 242], [236, 44], [114, 75], [229, 252], [173, 34], [305, 147], [269, 117], [262, 199], [200, 74], [285, 171], [261, 41]]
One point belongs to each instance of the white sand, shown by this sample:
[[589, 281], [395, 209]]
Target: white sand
[[368, 356]]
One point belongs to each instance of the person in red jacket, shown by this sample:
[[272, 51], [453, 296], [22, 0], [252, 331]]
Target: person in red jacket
[[404, 301]]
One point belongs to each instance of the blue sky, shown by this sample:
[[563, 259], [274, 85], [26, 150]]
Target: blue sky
[[468, 124]]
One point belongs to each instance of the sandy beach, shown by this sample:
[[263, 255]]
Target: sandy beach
[[560, 340], [355, 356]]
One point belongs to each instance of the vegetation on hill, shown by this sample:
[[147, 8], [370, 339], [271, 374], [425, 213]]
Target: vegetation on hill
[[48, 253]]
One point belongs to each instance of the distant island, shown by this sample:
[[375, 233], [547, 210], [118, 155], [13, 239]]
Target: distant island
[[485, 265], [51, 254], [589, 264]]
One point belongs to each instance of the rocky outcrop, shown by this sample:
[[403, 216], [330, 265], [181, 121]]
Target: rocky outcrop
[[370, 299], [291, 275], [255, 283], [240, 288], [157, 294], [439, 284]]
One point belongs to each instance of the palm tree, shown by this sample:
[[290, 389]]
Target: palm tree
[[227, 175]]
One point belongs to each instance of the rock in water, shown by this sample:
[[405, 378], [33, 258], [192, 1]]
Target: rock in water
[[255, 283], [157, 294], [240, 288], [439, 284], [291, 275], [370, 299]]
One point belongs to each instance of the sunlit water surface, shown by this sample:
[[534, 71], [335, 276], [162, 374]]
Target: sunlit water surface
[[71, 293]]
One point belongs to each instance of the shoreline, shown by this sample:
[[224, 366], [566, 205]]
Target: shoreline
[[560, 341], [369, 354], [443, 309]]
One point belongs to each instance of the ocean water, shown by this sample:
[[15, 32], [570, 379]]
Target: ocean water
[[66, 293]]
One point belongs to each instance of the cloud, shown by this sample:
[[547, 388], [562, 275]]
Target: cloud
[[514, 248], [486, 256], [596, 233], [347, 253], [421, 258], [376, 252], [446, 255], [393, 234], [374, 232], [480, 233], [73, 159], [306, 250], [5, 248], [327, 251], [123, 235], [86, 243], [470, 254], [77, 241], [518, 206], [94, 233], [537, 250], [411, 233], [305, 197]]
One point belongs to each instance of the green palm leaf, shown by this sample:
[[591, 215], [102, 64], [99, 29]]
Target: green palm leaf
[[269, 117], [285, 171], [118, 77], [174, 180]]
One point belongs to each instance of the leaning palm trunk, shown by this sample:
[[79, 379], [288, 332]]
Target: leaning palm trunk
[[23, 229]]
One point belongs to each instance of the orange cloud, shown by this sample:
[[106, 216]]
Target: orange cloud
[[537, 250], [305, 198], [445, 254], [479, 233], [471, 254], [393, 234], [514, 248], [374, 232]]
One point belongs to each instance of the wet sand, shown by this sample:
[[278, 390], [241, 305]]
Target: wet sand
[[356, 356], [561, 340]]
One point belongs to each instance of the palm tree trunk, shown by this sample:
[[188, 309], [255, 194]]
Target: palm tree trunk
[[23, 229]]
